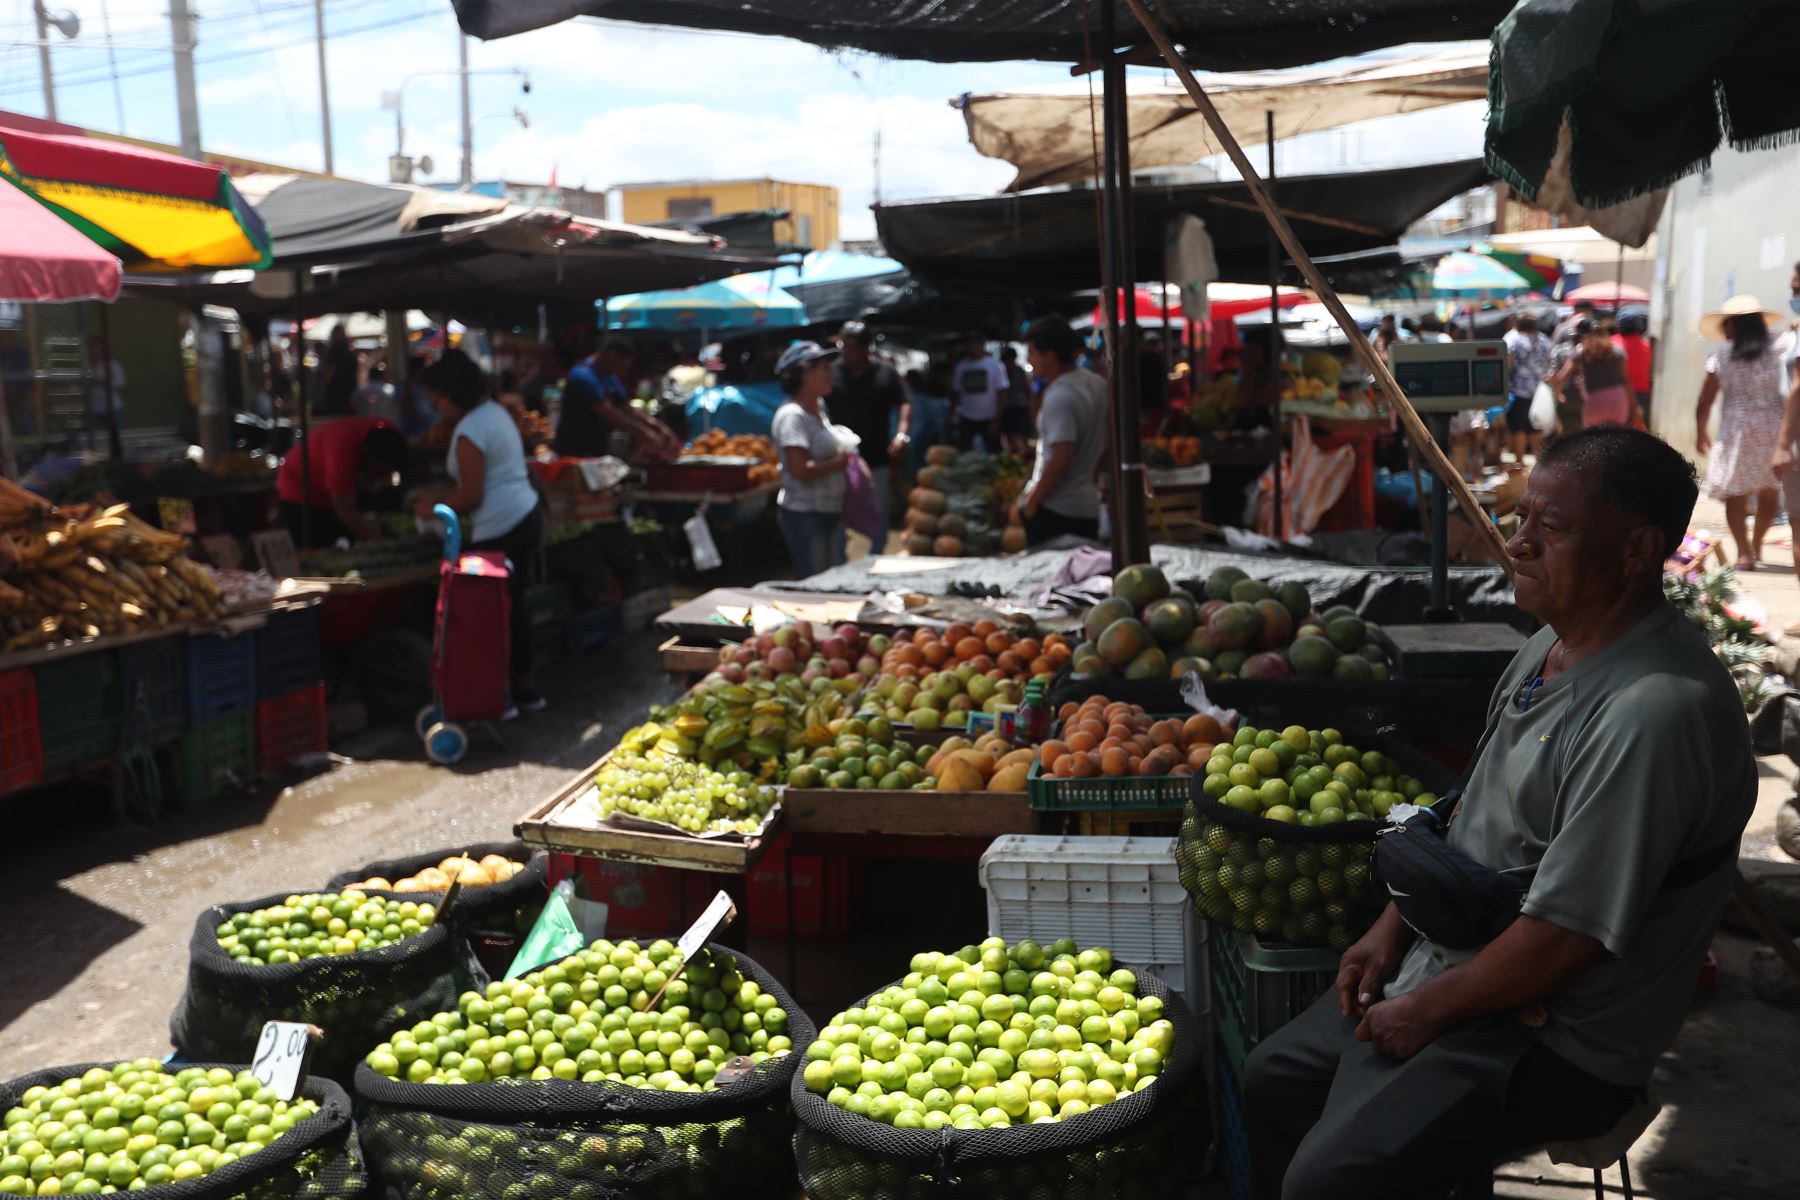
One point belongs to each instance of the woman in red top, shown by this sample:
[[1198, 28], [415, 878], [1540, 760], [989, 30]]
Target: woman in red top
[[346, 460], [1636, 345]]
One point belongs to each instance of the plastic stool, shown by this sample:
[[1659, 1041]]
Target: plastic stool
[[1596, 1153]]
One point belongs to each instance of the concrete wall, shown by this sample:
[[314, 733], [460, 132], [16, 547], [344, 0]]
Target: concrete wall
[[812, 207], [1733, 229]]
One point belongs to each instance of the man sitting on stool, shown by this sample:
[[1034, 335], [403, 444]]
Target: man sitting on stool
[[1617, 761]]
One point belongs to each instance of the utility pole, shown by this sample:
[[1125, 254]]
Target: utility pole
[[878, 160], [467, 177], [44, 67], [187, 103], [324, 81]]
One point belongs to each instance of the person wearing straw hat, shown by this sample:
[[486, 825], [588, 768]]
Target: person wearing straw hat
[[1745, 376]]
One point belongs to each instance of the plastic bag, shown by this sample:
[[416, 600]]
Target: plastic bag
[[557, 934], [862, 507], [1543, 408]]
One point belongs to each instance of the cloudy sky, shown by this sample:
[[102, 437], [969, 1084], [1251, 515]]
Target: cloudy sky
[[610, 103]]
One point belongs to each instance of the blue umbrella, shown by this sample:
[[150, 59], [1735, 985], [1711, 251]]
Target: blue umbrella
[[740, 302], [1461, 273]]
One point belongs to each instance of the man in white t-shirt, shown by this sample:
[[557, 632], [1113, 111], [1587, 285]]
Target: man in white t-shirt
[[978, 386], [1061, 496]]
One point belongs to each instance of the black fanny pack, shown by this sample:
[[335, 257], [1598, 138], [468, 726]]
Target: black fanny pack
[[1450, 899]]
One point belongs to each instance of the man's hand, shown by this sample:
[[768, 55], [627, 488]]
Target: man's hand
[[1702, 442], [1784, 458], [1398, 1028], [897, 447], [1368, 966]]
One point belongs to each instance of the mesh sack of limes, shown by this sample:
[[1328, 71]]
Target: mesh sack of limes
[[1277, 834], [1005, 1071], [566, 1084], [198, 1132], [353, 963]]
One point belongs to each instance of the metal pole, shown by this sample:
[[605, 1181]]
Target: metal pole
[[306, 514], [1372, 362], [114, 443], [1439, 608], [45, 69], [468, 128], [1131, 535], [324, 83], [1274, 253], [187, 103]]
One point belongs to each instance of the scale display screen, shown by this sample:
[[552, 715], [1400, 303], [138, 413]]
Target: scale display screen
[[1451, 376]]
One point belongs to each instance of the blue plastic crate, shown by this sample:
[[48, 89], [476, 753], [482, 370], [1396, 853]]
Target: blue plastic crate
[[287, 653], [221, 677], [152, 693]]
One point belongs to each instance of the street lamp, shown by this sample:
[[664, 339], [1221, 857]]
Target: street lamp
[[399, 166], [67, 24]]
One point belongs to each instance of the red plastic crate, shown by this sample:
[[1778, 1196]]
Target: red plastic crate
[[641, 900], [288, 727], [821, 886], [21, 746]]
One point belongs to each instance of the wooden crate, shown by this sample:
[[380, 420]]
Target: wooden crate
[[540, 828], [687, 662], [907, 813]]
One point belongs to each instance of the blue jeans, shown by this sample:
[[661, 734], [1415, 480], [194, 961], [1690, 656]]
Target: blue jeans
[[815, 539]]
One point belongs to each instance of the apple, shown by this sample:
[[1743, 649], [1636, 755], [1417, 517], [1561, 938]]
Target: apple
[[839, 668], [732, 672], [834, 647], [781, 660]]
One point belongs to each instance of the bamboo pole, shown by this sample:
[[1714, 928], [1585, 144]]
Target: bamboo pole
[[1375, 363]]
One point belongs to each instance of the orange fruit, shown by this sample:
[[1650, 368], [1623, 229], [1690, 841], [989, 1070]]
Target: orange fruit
[[1043, 665], [957, 633], [985, 628], [909, 654], [1082, 741], [936, 653], [1114, 762], [1050, 751], [998, 643], [1028, 648], [1009, 662], [1203, 728], [968, 647], [1085, 765]]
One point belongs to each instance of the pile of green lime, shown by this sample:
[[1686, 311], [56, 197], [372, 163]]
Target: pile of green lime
[[588, 1018], [322, 924], [1308, 893], [993, 1036], [862, 752], [136, 1126]]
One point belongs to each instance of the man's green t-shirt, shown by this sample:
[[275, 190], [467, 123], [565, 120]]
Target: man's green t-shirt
[[1622, 766]]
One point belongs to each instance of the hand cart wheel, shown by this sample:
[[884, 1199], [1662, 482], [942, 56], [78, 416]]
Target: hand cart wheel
[[446, 743]]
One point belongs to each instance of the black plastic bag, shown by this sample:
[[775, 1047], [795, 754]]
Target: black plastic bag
[[318, 1159], [355, 998], [1141, 1146], [588, 1141]]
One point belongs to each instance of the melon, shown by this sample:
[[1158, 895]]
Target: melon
[[948, 547], [931, 477], [921, 522], [953, 525], [941, 456], [918, 543]]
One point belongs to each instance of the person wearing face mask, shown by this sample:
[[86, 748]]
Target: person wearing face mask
[[1745, 377]]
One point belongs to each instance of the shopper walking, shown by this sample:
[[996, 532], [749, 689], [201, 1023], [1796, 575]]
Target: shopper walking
[[1061, 496], [1639, 355], [1745, 377], [1606, 398], [1016, 418], [978, 386], [868, 398], [810, 507], [1528, 356], [492, 493]]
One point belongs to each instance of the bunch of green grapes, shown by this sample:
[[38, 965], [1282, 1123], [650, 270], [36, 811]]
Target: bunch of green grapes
[[687, 795]]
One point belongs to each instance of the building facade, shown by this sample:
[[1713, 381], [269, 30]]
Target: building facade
[[812, 208]]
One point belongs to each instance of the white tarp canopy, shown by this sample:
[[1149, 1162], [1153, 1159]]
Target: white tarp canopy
[[1052, 135]]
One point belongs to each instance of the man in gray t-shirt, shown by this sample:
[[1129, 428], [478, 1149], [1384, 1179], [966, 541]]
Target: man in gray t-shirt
[[1618, 753], [1061, 496]]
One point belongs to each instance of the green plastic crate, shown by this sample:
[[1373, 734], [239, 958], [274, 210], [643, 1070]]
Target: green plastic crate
[[1098, 792], [78, 710], [218, 759], [1258, 987]]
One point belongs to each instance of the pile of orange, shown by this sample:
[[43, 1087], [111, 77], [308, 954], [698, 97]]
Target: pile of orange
[[1112, 738], [985, 646]]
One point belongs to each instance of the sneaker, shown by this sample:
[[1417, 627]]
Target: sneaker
[[510, 713], [529, 700]]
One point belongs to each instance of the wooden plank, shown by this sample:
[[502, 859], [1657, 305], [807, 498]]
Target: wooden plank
[[908, 814], [539, 828], [679, 658]]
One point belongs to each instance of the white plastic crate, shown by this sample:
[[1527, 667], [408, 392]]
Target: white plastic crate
[[1123, 893]]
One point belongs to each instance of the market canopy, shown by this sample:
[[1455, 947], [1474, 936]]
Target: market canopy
[[1595, 103], [341, 246], [43, 257], [1034, 243], [153, 211], [1052, 134], [740, 302], [1215, 34]]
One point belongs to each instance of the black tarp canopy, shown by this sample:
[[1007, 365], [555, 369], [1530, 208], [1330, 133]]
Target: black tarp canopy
[[358, 247], [1215, 35], [1046, 241]]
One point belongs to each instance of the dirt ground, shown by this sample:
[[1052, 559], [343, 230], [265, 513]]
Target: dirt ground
[[97, 919]]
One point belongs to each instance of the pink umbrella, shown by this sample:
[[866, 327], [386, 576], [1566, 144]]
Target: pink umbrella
[[43, 257], [1609, 293]]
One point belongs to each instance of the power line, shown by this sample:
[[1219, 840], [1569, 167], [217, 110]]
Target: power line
[[229, 55]]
